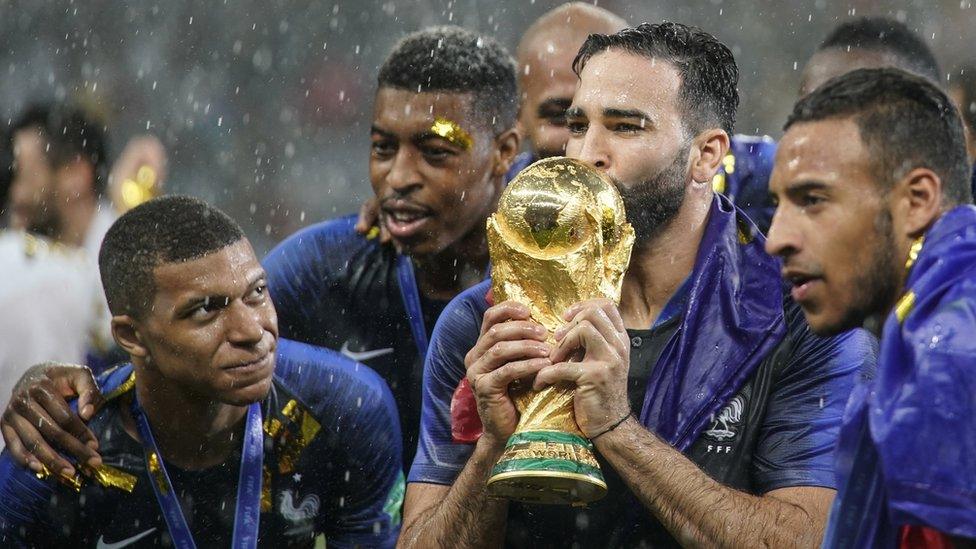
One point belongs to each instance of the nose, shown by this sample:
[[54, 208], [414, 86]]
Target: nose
[[245, 324], [404, 176], [594, 149], [783, 238]]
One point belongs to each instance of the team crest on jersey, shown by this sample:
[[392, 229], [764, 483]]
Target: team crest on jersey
[[726, 424], [300, 514]]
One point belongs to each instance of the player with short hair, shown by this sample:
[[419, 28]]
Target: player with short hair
[[874, 229], [707, 397], [217, 433]]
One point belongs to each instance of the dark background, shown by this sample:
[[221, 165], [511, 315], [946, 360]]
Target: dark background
[[264, 105]]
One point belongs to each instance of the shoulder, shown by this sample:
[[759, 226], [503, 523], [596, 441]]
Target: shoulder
[[846, 354], [460, 323], [323, 239], [330, 384]]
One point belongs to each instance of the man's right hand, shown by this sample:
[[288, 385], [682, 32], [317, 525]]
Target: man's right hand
[[511, 346], [38, 415]]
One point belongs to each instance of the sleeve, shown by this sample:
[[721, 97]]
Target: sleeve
[[24, 508], [299, 274], [799, 434], [358, 451], [439, 460], [922, 419]]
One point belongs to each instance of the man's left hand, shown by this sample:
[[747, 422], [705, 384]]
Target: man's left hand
[[594, 329]]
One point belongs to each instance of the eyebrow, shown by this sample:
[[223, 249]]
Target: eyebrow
[[192, 303], [553, 103], [626, 113], [805, 185], [575, 112], [374, 129]]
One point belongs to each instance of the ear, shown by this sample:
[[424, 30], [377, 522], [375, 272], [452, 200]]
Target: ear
[[920, 199], [76, 179], [709, 148], [506, 148], [127, 333]]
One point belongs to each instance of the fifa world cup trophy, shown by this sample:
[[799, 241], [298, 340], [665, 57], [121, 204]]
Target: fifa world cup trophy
[[560, 236]]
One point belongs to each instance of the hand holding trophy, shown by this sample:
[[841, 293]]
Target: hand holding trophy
[[560, 236]]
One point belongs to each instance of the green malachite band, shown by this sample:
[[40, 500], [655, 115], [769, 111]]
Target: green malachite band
[[560, 465], [548, 436]]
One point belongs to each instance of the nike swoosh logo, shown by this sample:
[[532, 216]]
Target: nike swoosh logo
[[122, 543], [362, 356]]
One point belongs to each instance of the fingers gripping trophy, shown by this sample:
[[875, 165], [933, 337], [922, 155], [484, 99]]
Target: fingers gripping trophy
[[560, 236]]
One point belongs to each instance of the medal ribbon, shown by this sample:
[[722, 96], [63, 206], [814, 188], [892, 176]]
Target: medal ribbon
[[411, 302], [247, 515]]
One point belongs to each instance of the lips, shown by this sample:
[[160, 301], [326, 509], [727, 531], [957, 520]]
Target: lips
[[405, 219], [250, 367], [803, 284]]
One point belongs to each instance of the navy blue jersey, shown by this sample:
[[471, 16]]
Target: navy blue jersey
[[338, 289], [777, 428], [331, 467]]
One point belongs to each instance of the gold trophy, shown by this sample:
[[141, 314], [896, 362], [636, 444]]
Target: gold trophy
[[560, 236]]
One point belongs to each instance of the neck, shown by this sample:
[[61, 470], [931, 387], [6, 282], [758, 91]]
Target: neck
[[192, 432], [444, 275], [75, 218], [659, 265]]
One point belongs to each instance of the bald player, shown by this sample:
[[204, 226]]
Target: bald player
[[546, 79]]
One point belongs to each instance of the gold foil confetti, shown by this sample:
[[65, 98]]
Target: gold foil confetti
[[450, 131], [157, 473], [110, 477]]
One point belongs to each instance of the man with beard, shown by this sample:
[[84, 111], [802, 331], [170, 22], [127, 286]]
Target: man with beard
[[547, 83], [872, 177], [701, 328], [442, 138]]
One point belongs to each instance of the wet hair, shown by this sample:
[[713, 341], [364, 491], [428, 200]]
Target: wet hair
[[889, 36], [71, 134], [904, 120], [163, 230], [456, 60], [709, 75]]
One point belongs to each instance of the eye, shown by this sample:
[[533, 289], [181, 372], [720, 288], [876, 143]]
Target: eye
[[626, 127], [259, 291], [208, 308], [384, 148], [811, 200], [576, 127], [434, 153]]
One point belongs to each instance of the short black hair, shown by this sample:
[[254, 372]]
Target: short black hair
[[709, 75], [456, 60], [886, 35], [71, 134], [162, 230], [904, 120]]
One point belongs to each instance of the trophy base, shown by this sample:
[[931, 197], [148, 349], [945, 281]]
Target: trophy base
[[550, 467]]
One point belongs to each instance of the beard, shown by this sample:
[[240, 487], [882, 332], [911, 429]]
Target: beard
[[878, 281], [651, 204]]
